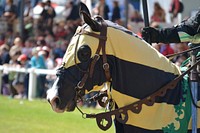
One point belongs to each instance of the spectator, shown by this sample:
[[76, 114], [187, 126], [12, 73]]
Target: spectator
[[27, 49], [164, 49], [37, 61], [2, 39], [14, 52], [27, 11], [131, 9], [116, 12], [10, 13], [48, 15], [34, 2], [10, 36], [28, 19], [2, 5], [136, 17], [4, 54], [68, 9], [45, 52], [20, 78], [18, 42], [41, 41], [49, 39], [39, 23], [4, 59], [158, 14], [102, 9], [60, 48], [60, 31], [180, 59], [73, 11], [175, 9], [179, 47]]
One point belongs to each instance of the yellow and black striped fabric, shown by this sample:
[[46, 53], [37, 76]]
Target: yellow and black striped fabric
[[138, 70]]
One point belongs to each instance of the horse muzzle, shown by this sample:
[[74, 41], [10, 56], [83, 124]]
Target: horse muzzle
[[55, 103], [54, 100]]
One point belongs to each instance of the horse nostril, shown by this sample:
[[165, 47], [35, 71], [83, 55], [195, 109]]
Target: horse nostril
[[55, 102]]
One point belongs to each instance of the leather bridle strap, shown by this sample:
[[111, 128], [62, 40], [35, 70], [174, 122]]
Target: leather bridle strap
[[102, 42]]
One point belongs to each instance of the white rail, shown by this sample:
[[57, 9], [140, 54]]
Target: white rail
[[32, 77]]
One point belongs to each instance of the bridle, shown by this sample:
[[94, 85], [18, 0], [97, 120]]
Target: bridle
[[102, 37], [101, 48]]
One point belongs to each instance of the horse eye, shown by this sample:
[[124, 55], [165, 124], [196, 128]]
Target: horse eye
[[84, 53]]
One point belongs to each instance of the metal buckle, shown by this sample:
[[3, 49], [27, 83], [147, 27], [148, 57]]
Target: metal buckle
[[105, 66], [79, 85], [97, 56]]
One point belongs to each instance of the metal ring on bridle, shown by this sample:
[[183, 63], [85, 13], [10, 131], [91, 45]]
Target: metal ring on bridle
[[105, 66], [79, 85]]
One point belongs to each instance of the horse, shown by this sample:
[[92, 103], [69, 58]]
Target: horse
[[103, 53]]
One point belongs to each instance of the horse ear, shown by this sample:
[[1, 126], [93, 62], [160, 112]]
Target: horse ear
[[83, 8], [86, 17]]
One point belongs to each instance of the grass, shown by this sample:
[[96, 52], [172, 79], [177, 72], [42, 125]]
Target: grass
[[17, 116]]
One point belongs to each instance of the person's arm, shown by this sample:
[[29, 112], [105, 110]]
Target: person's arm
[[187, 31], [167, 35]]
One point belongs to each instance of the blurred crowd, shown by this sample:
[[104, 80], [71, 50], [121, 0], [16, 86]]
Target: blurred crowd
[[45, 40], [42, 46]]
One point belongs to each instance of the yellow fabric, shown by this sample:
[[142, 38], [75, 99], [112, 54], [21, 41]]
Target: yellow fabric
[[137, 50], [149, 114]]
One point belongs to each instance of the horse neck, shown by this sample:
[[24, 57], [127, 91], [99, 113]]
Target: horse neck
[[137, 68]]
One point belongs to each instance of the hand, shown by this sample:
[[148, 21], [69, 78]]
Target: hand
[[151, 35]]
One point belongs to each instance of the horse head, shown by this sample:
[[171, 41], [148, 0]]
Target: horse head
[[102, 52], [82, 69]]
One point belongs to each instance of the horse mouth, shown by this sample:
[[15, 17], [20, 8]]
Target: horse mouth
[[70, 106]]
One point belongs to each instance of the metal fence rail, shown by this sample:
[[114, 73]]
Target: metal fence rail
[[32, 77]]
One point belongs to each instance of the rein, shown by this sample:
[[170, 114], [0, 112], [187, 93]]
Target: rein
[[183, 52]]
